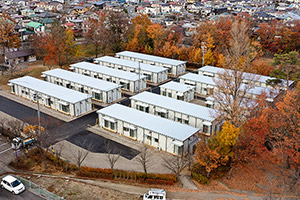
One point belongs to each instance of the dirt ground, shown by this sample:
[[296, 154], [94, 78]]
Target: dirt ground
[[74, 190]]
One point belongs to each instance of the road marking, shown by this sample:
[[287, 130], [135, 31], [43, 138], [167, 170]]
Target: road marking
[[6, 150], [3, 144]]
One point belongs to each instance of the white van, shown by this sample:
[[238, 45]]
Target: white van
[[155, 194]]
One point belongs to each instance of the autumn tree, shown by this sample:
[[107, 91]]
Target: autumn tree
[[218, 150], [97, 34], [117, 24], [231, 93], [8, 37], [58, 47], [287, 67], [80, 154], [284, 123]]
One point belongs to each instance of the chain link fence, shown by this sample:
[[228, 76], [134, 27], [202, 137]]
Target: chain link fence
[[39, 190]]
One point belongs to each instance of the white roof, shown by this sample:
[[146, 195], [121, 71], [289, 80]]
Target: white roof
[[108, 71], [197, 111], [148, 121], [151, 58], [260, 78], [132, 64], [180, 87], [82, 79], [198, 78], [50, 89]]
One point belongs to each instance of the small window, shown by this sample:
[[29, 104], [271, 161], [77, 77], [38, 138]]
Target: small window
[[156, 140], [205, 129], [169, 94], [164, 93]]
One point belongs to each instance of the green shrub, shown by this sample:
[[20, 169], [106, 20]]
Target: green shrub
[[200, 178]]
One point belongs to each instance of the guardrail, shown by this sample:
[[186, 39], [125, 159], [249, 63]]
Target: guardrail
[[39, 190]]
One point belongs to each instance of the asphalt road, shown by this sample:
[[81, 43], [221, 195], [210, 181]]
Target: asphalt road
[[26, 195], [98, 144], [74, 131], [21, 111]]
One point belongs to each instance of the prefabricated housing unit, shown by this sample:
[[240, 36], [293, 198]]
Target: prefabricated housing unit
[[178, 91], [130, 81], [180, 111], [59, 98], [100, 90], [175, 67], [158, 132], [204, 85], [154, 74], [259, 80]]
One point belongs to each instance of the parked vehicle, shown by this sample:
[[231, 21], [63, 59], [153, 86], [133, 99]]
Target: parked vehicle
[[18, 142], [12, 184], [155, 194]]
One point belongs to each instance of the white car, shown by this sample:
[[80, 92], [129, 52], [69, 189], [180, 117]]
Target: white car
[[155, 194], [12, 184]]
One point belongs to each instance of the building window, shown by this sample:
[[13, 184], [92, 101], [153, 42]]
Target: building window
[[205, 129], [48, 102], [65, 108], [110, 125], [106, 123], [97, 96], [132, 133], [177, 150], [169, 94], [156, 140], [186, 121], [162, 114], [178, 119], [126, 129], [180, 98], [164, 93], [125, 85]]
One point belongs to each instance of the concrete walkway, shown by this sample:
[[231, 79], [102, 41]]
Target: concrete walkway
[[187, 182]]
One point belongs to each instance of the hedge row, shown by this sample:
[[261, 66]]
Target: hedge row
[[162, 179]]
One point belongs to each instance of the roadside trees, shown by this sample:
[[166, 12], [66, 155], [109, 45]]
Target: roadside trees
[[144, 158], [113, 154]]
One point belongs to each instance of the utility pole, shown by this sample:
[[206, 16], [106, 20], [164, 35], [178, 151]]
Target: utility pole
[[203, 52], [39, 116], [139, 83]]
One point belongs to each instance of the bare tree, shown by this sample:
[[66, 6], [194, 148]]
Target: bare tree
[[16, 126], [58, 150], [144, 157], [175, 164], [80, 154], [12, 66], [113, 154], [231, 94], [45, 135]]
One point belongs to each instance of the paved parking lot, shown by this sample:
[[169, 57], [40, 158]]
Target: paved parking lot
[[97, 144]]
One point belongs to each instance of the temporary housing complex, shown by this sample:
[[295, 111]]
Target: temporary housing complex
[[194, 115], [154, 74], [100, 90], [178, 91], [50, 95], [175, 67], [163, 134], [130, 81]]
